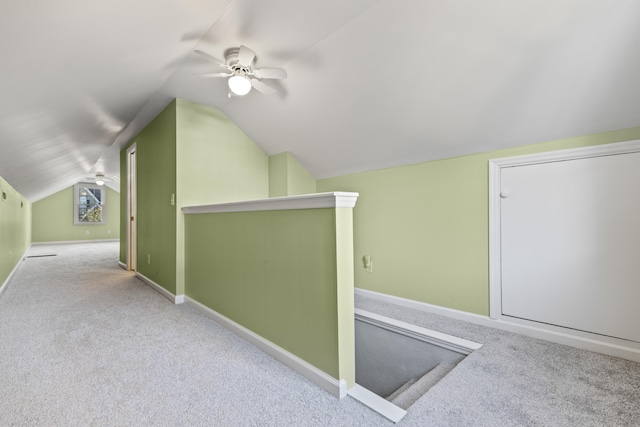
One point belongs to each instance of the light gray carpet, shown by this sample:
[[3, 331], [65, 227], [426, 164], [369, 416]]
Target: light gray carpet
[[515, 380], [83, 342]]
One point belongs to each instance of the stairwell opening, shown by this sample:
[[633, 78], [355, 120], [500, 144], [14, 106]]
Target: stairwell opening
[[400, 362]]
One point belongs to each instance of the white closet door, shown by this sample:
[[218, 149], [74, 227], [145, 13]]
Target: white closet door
[[570, 240]]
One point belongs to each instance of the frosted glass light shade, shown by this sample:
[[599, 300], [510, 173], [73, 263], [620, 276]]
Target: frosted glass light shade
[[240, 85]]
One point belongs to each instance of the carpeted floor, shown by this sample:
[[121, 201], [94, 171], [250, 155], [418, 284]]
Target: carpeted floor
[[85, 343]]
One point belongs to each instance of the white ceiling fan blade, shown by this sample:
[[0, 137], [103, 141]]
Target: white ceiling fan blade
[[245, 56], [211, 58], [270, 73], [262, 87], [207, 75]]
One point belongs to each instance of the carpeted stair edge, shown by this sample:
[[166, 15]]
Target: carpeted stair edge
[[421, 386], [401, 390]]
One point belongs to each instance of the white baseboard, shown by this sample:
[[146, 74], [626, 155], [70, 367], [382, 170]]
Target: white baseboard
[[122, 265], [176, 299], [67, 242], [423, 306], [15, 268], [6, 282], [583, 340], [336, 387]]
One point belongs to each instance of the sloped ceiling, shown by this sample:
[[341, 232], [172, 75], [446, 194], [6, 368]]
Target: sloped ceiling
[[371, 84]]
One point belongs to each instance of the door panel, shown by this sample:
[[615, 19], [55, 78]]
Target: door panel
[[570, 240]]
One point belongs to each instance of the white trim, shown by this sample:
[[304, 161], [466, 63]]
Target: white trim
[[337, 199], [625, 147], [5, 285], [591, 342], [67, 242], [423, 306], [76, 203], [122, 265], [336, 387], [13, 271], [450, 342], [176, 299], [131, 208], [377, 403]]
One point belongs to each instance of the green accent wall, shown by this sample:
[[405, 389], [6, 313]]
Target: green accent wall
[[216, 162], [156, 181], [197, 154], [426, 226], [287, 177], [346, 304], [278, 181], [15, 228], [285, 275], [52, 219]]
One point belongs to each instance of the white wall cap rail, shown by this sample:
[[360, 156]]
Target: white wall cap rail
[[336, 199]]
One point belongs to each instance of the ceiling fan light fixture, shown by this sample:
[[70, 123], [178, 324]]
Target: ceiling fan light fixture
[[239, 84], [99, 179]]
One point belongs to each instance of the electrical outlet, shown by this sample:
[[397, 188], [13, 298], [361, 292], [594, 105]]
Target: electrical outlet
[[87, 232], [108, 231], [173, 199], [148, 259]]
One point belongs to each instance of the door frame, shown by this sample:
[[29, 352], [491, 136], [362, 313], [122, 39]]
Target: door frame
[[495, 168], [132, 197]]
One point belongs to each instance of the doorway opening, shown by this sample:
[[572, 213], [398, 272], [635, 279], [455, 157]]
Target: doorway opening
[[131, 208]]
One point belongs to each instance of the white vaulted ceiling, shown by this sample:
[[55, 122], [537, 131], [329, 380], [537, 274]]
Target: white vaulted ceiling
[[371, 84]]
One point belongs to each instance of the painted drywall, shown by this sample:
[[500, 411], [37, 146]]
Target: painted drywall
[[52, 219], [197, 155], [287, 177], [425, 226], [15, 228], [299, 179], [216, 162], [346, 303], [156, 182], [274, 273], [278, 175]]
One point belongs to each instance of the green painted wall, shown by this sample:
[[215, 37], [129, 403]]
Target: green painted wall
[[216, 162], [198, 154], [346, 304], [156, 181], [15, 228], [52, 219], [425, 226], [299, 179], [273, 272], [287, 177], [278, 186]]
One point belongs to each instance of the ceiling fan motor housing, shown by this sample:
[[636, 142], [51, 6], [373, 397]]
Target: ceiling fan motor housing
[[231, 59]]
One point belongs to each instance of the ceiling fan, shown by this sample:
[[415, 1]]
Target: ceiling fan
[[242, 74], [100, 178]]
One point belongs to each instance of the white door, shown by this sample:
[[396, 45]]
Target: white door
[[570, 244]]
